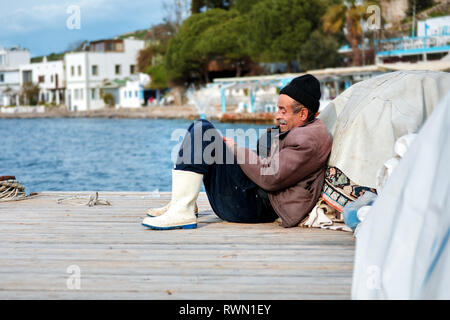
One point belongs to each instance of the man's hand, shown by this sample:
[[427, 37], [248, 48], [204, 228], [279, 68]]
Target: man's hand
[[229, 142]]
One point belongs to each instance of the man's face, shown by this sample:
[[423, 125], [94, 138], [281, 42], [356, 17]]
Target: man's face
[[286, 117]]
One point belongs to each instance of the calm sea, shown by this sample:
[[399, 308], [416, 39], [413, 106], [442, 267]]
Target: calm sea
[[92, 154]]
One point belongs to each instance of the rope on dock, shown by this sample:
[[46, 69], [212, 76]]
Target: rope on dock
[[11, 189], [93, 200]]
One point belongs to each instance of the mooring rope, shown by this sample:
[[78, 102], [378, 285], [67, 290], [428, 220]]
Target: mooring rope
[[11, 189], [94, 200]]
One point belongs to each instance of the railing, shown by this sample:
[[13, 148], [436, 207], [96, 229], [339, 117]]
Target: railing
[[412, 45]]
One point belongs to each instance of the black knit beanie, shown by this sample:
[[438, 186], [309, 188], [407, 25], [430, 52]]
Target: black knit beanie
[[306, 90]]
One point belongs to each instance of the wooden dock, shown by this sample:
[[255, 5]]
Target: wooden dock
[[118, 258]]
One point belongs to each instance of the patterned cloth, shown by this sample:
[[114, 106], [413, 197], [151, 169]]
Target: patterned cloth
[[338, 189]]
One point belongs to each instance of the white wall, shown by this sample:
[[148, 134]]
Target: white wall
[[9, 66], [439, 26], [130, 96], [46, 69], [10, 78], [10, 81], [12, 58], [105, 63]]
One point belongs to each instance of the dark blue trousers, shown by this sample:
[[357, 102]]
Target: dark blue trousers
[[231, 194]]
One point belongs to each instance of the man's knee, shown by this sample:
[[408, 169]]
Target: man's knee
[[200, 125], [206, 124]]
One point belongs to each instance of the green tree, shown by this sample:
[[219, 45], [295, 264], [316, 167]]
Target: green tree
[[150, 59], [346, 14], [202, 37], [224, 41], [279, 28], [158, 75], [244, 6], [198, 5], [218, 4], [420, 5], [108, 98], [320, 51], [30, 93]]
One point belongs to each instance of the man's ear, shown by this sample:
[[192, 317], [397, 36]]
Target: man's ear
[[304, 112]]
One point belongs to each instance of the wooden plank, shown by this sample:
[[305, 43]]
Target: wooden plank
[[120, 259]]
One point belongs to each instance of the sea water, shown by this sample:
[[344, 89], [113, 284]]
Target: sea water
[[94, 154]]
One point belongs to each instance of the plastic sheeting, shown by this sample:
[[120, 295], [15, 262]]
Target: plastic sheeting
[[403, 247], [367, 119]]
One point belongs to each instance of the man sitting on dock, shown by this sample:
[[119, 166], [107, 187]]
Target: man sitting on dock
[[285, 184]]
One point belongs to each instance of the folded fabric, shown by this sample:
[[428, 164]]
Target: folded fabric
[[401, 146], [317, 218], [322, 216], [356, 211]]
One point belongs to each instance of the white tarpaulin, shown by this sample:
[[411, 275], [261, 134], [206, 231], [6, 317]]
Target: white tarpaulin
[[367, 119], [403, 247]]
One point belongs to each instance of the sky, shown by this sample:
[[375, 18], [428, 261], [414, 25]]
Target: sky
[[52, 26]]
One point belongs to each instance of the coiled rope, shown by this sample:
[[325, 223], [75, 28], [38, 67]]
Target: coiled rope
[[11, 189]]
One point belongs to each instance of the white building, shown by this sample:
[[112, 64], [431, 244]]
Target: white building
[[49, 76], [131, 94], [89, 73], [439, 26], [10, 61]]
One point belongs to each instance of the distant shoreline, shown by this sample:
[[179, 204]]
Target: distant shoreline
[[166, 112], [157, 112]]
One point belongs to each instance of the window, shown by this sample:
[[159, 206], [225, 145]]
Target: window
[[26, 76], [132, 69], [72, 71], [2, 77], [79, 70], [124, 94], [76, 94], [136, 93], [81, 93], [95, 70], [117, 67], [94, 94], [130, 94], [2, 59], [99, 47], [51, 78], [41, 79]]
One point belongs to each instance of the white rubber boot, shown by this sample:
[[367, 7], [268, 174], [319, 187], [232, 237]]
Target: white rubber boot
[[156, 212], [180, 214]]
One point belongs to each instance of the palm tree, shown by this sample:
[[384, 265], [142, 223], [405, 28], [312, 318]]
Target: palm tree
[[348, 14]]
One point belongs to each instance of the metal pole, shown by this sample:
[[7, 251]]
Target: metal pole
[[414, 19], [361, 22]]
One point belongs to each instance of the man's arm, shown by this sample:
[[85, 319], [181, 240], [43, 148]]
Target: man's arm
[[282, 169]]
